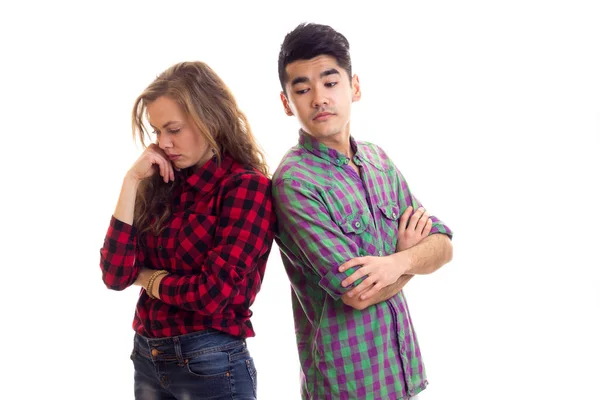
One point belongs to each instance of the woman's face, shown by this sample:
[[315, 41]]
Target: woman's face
[[176, 135]]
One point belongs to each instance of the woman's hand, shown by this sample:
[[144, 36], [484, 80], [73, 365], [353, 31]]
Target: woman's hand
[[150, 160]]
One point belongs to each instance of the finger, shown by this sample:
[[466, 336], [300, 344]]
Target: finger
[[363, 286], [359, 273], [371, 292], [170, 173], [412, 224], [169, 167], [163, 165], [166, 167], [428, 227], [422, 222], [404, 218], [353, 263]]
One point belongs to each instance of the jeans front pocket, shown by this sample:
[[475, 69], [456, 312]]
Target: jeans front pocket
[[212, 365]]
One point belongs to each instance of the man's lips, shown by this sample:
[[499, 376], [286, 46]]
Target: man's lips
[[322, 116]]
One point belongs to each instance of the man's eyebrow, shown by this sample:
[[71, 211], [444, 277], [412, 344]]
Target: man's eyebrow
[[303, 79], [300, 79], [329, 72]]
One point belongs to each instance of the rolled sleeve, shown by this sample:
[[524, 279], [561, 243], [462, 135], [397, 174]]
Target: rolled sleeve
[[309, 237], [406, 199]]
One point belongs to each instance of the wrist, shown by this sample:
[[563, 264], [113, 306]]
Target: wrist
[[130, 179], [403, 262], [156, 285], [153, 285]]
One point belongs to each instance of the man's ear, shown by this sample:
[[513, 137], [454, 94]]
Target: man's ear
[[286, 105], [356, 93]]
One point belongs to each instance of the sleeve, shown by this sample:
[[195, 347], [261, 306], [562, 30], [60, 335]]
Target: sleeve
[[308, 234], [406, 199], [117, 256], [244, 233]]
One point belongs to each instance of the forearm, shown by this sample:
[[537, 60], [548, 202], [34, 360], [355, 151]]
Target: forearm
[[381, 296], [427, 256], [126, 203], [206, 293]]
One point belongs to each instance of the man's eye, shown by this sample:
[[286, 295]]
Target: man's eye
[[331, 84], [301, 91]]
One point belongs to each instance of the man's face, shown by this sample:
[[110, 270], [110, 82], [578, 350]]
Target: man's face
[[320, 95]]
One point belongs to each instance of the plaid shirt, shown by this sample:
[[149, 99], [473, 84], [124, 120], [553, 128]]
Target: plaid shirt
[[215, 248], [327, 215]]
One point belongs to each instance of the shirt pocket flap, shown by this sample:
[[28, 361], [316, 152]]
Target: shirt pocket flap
[[390, 210], [355, 223]]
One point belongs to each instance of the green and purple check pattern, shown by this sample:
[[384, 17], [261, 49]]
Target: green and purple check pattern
[[328, 214]]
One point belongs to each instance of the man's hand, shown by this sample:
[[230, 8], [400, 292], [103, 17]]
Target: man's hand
[[411, 232], [379, 271], [383, 295]]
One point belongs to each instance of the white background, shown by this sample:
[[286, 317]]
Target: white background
[[490, 109]]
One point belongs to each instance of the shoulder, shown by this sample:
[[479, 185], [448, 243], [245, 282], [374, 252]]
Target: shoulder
[[375, 155], [241, 176], [303, 167]]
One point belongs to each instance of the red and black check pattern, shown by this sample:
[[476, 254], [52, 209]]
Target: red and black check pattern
[[215, 249]]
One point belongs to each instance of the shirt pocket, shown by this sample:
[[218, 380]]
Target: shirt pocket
[[390, 212], [355, 224]]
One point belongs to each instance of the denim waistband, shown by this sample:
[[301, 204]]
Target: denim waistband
[[185, 346]]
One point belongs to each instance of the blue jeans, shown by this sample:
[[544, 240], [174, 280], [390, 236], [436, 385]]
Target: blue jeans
[[203, 365]]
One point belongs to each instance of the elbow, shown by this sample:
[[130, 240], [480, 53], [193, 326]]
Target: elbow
[[115, 287], [449, 250], [115, 281], [113, 284]]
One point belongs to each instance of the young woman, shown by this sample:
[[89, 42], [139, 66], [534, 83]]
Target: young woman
[[193, 227]]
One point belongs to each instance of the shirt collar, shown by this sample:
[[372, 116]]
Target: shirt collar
[[209, 175], [333, 156]]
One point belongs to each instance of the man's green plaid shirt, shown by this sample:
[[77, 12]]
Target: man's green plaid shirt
[[327, 215]]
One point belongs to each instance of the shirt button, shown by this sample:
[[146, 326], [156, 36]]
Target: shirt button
[[337, 161], [357, 224], [160, 247], [394, 215]]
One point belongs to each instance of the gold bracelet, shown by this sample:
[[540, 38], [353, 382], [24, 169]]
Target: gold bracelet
[[153, 277]]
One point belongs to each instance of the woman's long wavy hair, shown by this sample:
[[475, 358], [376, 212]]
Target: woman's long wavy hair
[[210, 105]]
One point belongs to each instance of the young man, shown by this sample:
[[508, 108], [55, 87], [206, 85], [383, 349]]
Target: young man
[[346, 248]]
